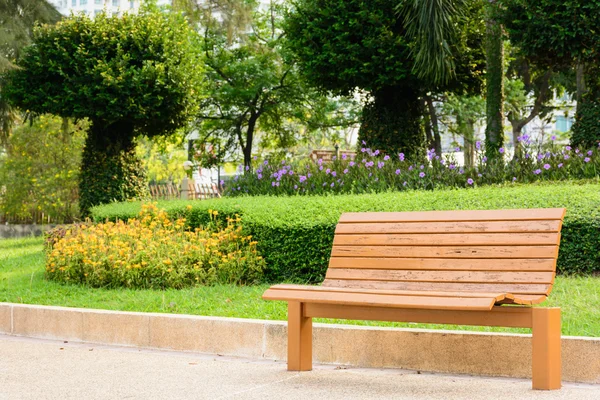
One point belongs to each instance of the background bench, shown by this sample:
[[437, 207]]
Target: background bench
[[448, 267]]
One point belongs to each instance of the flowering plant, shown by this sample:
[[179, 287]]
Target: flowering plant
[[373, 171], [153, 251]]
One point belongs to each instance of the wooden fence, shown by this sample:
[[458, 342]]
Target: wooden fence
[[196, 191]]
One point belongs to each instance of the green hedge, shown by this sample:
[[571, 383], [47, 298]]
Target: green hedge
[[295, 234]]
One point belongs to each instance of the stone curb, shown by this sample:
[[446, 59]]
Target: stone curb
[[492, 354]]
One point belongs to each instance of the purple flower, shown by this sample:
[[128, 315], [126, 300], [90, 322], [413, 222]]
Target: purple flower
[[540, 156], [401, 156], [295, 187], [291, 172], [351, 163], [546, 167], [457, 149], [589, 153], [346, 171], [451, 166], [302, 178], [266, 162], [321, 168], [501, 150], [259, 176], [560, 165], [334, 158], [461, 171], [527, 155], [327, 171], [363, 150], [282, 162], [239, 188], [363, 142], [478, 145], [568, 148], [587, 159], [421, 167], [222, 182], [332, 184], [254, 158], [410, 168], [309, 175], [380, 164], [386, 158], [537, 171], [576, 150], [344, 156], [470, 181], [405, 183], [479, 175], [422, 174], [397, 172], [333, 173], [514, 178], [553, 137], [376, 153], [566, 157], [484, 159], [369, 164], [320, 161], [273, 183]]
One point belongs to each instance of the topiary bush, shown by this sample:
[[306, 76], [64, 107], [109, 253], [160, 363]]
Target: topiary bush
[[295, 233]]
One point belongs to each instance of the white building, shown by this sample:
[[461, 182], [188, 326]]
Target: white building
[[95, 7]]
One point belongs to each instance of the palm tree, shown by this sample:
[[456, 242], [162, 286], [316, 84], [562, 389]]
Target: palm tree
[[432, 24], [17, 19]]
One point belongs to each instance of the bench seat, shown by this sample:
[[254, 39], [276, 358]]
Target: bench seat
[[398, 298]]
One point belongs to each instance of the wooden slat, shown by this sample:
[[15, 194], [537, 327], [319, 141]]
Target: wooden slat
[[523, 299], [440, 276], [446, 264], [365, 299], [497, 296], [515, 317], [456, 215], [451, 227], [445, 239], [514, 288], [446, 251]]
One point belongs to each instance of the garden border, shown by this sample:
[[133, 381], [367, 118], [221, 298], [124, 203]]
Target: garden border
[[376, 347]]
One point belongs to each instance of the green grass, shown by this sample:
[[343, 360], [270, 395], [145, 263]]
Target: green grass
[[22, 281]]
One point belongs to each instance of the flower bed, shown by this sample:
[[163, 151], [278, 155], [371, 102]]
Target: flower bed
[[373, 171], [154, 251]]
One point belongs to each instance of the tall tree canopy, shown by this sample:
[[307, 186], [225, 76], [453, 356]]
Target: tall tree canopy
[[562, 35], [342, 46], [17, 19], [132, 75]]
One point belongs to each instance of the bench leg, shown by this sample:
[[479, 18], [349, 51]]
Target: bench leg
[[299, 338], [546, 348]]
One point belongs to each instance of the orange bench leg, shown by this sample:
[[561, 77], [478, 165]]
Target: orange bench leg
[[546, 348], [299, 338]]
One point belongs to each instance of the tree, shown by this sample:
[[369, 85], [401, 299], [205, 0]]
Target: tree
[[17, 18], [562, 35], [252, 89], [494, 79], [131, 75], [341, 46]]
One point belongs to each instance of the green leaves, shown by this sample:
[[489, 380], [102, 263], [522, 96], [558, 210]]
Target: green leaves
[[141, 68]]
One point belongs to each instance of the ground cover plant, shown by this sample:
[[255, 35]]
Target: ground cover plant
[[153, 251], [295, 233], [22, 270], [374, 171]]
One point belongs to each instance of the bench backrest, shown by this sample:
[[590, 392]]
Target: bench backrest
[[512, 251]]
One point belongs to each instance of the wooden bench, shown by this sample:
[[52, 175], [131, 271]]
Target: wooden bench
[[481, 268]]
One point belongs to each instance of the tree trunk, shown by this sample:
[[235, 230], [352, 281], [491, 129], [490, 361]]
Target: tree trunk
[[494, 55], [433, 118], [580, 76], [110, 169], [247, 149], [427, 125], [466, 128], [392, 122]]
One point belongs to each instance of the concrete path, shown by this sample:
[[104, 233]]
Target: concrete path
[[43, 369]]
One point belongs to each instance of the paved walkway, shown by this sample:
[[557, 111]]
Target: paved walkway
[[43, 369]]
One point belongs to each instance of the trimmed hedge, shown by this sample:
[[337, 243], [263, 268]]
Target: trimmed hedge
[[295, 234]]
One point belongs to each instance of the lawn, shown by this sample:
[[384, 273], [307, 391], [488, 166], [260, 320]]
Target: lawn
[[22, 281]]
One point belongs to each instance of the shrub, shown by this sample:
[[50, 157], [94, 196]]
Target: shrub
[[40, 170], [154, 251], [374, 171], [295, 233]]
